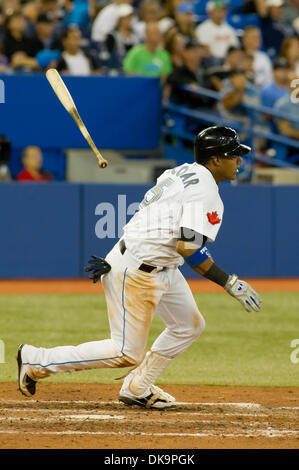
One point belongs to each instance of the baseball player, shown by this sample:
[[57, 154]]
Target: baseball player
[[140, 276]]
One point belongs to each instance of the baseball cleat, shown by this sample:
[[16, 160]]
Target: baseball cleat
[[157, 399], [27, 386]]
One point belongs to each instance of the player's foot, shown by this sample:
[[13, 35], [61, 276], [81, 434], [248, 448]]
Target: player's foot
[[27, 386], [157, 399]]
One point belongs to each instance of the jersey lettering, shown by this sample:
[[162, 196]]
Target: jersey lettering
[[179, 172], [156, 192], [185, 177]]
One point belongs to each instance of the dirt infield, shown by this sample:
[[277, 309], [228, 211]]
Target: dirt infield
[[84, 286], [88, 416]]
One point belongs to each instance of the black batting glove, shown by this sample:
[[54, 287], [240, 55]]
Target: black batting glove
[[98, 266]]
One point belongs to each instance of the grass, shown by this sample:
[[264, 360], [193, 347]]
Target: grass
[[237, 348]]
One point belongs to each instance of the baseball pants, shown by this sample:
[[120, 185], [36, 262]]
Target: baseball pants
[[132, 297]]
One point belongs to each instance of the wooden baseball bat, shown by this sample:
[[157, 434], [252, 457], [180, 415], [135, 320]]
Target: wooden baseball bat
[[67, 101]]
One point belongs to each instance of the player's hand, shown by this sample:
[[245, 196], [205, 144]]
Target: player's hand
[[243, 292], [98, 266]]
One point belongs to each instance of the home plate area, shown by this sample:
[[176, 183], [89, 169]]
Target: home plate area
[[88, 416]]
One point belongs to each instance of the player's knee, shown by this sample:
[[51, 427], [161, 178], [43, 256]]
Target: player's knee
[[126, 361], [198, 324], [135, 357]]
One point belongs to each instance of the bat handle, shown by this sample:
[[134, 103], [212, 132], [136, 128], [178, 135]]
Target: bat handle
[[75, 115], [101, 161]]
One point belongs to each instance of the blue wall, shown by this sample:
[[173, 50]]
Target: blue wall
[[50, 230], [33, 115], [39, 230]]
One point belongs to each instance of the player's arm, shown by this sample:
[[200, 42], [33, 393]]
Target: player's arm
[[190, 246]]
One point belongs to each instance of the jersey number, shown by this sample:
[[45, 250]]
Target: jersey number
[[156, 192]]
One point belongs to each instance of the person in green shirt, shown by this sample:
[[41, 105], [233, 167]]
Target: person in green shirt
[[149, 59]]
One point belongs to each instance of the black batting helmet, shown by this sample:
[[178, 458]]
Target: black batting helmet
[[218, 141]]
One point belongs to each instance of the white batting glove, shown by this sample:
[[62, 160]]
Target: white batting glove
[[243, 292]]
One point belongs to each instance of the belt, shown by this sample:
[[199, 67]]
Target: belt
[[143, 267]]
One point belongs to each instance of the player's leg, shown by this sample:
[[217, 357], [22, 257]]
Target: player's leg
[[184, 324], [183, 320], [131, 298]]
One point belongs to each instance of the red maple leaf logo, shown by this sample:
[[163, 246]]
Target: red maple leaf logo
[[213, 218]]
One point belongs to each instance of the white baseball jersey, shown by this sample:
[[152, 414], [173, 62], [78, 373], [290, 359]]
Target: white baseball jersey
[[185, 196]]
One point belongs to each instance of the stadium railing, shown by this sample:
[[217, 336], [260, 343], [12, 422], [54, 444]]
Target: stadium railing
[[180, 121]]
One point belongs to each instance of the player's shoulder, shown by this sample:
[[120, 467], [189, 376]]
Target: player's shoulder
[[197, 181]]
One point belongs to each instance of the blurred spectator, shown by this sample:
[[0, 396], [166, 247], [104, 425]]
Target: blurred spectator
[[18, 48], [185, 20], [53, 8], [50, 7], [289, 104], [290, 11], [122, 39], [170, 7], [5, 175], [94, 8], [45, 43], [148, 12], [5, 146], [215, 32], [32, 160], [44, 37], [106, 20], [167, 26], [77, 13], [247, 64], [258, 7], [10, 6], [216, 74], [189, 73], [174, 45], [274, 30], [3, 62], [73, 60], [236, 92], [262, 65], [290, 50], [271, 93], [149, 59], [7, 7], [30, 11]]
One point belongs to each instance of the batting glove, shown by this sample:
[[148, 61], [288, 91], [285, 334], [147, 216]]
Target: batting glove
[[243, 292], [98, 266]]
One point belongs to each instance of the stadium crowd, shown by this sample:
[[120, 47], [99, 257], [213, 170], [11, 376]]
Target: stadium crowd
[[149, 37], [247, 50]]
